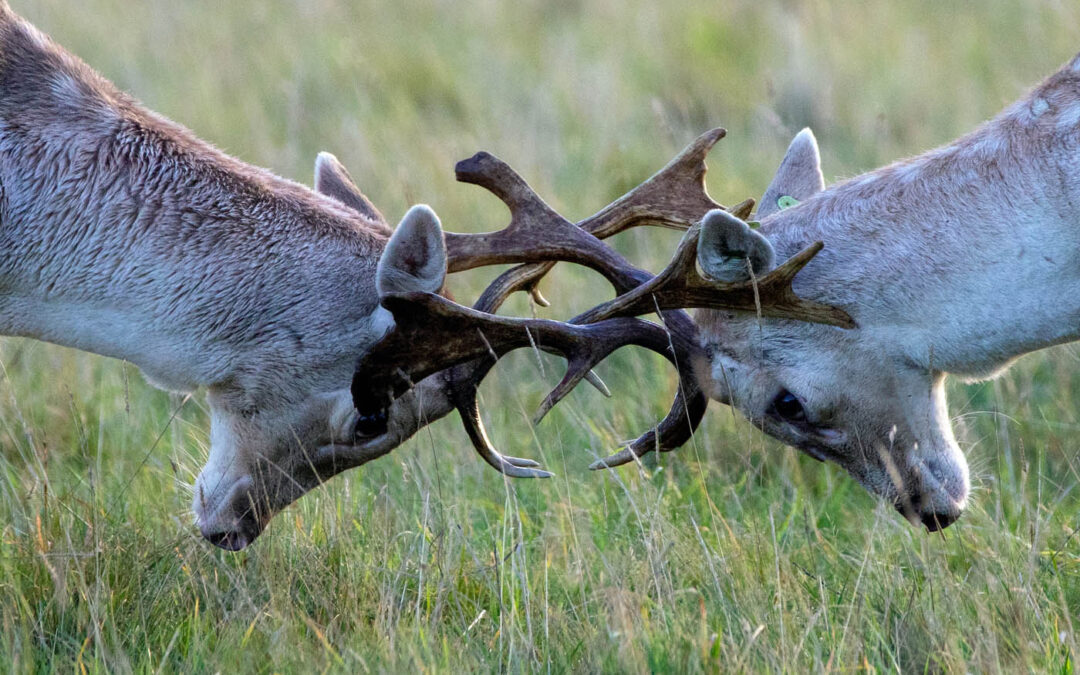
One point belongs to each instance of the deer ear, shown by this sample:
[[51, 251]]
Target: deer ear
[[725, 243], [798, 178], [415, 257], [333, 180]]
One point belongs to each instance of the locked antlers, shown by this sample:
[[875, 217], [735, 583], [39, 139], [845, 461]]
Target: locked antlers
[[434, 335]]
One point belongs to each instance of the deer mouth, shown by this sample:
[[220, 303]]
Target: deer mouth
[[939, 500], [934, 520], [236, 539]]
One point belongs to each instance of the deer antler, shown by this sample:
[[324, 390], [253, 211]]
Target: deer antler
[[433, 334], [680, 285], [674, 197], [453, 335], [678, 193]]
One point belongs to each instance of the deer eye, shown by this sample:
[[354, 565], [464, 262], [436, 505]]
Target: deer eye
[[787, 407]]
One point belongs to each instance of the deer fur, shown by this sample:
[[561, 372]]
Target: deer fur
[[954, 262], [123, 234]]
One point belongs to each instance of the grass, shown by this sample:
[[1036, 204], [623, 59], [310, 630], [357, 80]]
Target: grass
[[732, 554]]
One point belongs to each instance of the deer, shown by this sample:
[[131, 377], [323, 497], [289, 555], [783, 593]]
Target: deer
[[125, 235], [954, 262]]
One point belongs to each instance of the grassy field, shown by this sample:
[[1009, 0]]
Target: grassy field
[[733, 554]]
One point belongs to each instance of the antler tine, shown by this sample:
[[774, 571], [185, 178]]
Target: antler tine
[[463, 380], [536, 231], [464, 399], [670, 434], [742, 210], [673, 197], [681, 285]]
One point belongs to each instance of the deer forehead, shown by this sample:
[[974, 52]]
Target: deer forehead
[[820, 364]]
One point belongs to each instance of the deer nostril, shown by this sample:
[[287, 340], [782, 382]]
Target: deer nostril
[[239, 532]]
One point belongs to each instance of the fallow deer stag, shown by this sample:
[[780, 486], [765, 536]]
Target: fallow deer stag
[[123, 234], [957, 261]]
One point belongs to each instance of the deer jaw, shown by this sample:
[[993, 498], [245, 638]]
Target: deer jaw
[[954, 262], [260, 464]]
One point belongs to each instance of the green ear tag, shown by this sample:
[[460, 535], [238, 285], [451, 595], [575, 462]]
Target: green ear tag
[[786, 202], [754, 224]]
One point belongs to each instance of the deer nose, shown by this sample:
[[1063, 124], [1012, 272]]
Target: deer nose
[[940, 492], [934, 521], [230, 541], [241, 532]]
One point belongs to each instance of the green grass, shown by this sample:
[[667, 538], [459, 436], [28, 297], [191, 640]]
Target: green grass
[[731, 554]]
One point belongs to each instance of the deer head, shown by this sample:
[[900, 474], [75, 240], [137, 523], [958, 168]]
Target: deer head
[[853, 397], [262, 460]]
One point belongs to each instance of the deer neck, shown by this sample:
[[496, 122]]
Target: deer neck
[[965, 257], [123, 234]]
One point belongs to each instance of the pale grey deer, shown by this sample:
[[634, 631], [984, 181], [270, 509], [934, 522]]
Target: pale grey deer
[[955, 262], [123, 234]]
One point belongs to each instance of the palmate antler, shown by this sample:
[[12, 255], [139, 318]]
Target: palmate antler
[[433, 334]]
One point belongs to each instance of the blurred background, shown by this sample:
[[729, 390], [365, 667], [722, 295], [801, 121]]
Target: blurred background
[[733, 553]]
